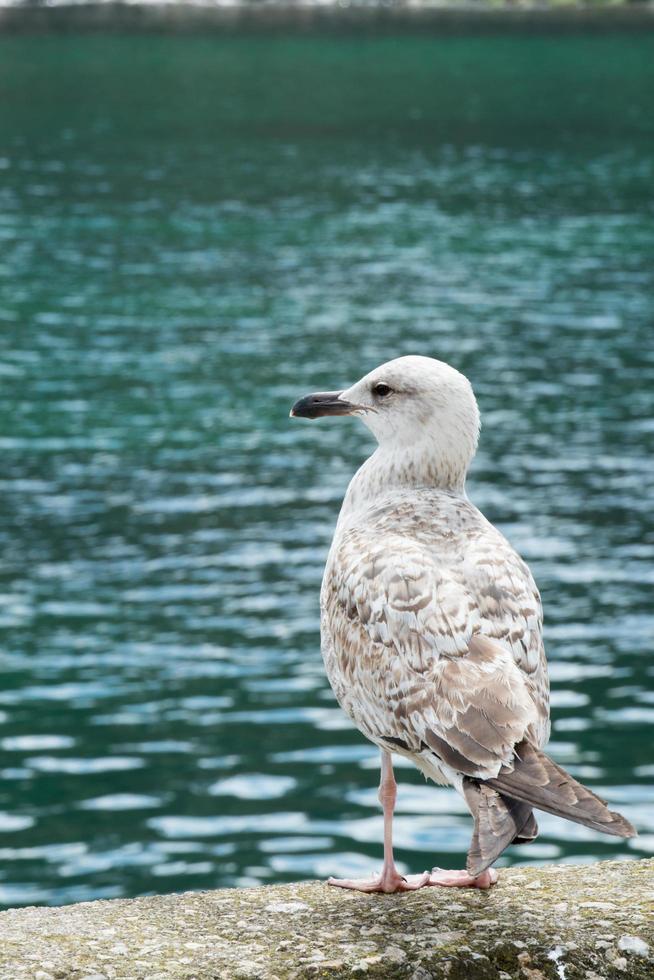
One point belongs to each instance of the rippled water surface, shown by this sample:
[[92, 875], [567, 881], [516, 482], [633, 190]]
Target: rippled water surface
[[192, 234]]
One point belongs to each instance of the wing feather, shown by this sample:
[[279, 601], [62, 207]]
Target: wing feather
[[408, 660]]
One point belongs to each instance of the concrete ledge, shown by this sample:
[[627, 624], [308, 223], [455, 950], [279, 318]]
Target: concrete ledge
[[376, 18], [560, 922]]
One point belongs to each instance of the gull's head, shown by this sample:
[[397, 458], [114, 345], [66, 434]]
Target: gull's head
[[410, 403]]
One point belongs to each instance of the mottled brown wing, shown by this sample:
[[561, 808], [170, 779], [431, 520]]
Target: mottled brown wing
[[407, 660]]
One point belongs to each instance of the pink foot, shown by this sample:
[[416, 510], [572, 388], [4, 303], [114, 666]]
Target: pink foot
[[461, 879], [387, 882]]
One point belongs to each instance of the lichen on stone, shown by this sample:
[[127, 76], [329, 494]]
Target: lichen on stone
[[594, 922]]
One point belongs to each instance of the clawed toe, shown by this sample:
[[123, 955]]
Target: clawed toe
[[387, 883], [461, 879]]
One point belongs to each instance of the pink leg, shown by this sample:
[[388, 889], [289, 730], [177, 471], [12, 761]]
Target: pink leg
[[390, 879], [461, 879]]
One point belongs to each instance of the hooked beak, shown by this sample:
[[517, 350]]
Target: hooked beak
[[321, 403]]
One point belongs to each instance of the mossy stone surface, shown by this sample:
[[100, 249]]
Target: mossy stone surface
[[559, 922]]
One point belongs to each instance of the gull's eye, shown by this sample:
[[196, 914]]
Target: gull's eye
[[381, 389]]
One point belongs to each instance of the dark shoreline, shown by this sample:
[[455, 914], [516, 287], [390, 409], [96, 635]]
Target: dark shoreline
[[255, 18]]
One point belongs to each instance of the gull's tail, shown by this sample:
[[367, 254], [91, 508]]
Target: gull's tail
[[499, 821], [502, 807]]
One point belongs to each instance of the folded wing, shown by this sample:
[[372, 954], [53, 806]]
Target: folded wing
[[411, 660]]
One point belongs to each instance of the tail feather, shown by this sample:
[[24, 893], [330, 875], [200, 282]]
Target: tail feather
[[529, 832], [499, 821], [538, 781]]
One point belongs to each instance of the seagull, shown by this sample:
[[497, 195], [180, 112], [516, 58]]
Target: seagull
[[431, 625]]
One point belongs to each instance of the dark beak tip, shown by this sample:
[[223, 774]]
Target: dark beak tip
[[319, 404]]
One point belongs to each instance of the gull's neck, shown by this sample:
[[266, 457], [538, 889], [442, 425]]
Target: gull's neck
[[396, 468]]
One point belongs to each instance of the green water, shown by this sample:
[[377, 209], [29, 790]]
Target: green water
[[193, 233]]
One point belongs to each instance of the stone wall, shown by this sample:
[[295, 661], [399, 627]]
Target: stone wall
[[556, 922]]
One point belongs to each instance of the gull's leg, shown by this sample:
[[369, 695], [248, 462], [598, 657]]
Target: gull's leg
[[390, 879], [461, 879]]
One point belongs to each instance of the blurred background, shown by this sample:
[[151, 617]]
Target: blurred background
[[197, 230]]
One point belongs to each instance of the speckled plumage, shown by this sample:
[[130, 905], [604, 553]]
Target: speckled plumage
[[432, 626]]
